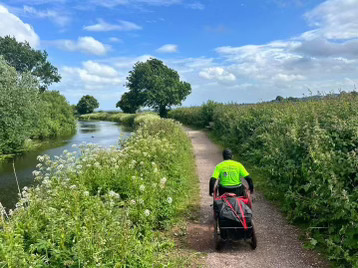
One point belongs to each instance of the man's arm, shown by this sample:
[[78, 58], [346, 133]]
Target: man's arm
[[211, 185], [213, 179], [250, 183]]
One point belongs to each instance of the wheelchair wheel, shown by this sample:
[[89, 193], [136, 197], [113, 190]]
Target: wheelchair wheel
[[218, 242], [253, 242]]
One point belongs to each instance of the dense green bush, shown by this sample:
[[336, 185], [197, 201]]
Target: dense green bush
[[19, 97], [56, 116], [25, 113], [104, 208], [200, 117], [308, 153]]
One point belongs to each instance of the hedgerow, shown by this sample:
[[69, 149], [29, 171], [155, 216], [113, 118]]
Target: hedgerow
[[103, 207], [308, 153]]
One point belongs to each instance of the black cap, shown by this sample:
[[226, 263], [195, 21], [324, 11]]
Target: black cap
[[227, 154]]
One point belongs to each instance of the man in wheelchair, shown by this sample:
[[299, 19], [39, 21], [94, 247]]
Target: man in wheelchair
[[229, 173]]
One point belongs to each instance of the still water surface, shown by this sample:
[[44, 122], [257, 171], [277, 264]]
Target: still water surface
[[99, 132]]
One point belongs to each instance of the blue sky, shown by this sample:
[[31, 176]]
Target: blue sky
[[229, 50]]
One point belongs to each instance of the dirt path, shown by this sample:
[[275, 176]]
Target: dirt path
[[278, 243]]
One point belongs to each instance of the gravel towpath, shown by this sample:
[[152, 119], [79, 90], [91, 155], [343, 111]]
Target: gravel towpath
[[278, 243]]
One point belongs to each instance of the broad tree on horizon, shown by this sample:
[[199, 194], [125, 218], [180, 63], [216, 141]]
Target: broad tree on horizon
[[87, 104], [24, 58], [155, 85]]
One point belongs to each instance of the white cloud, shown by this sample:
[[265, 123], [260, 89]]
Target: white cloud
[[196, 5], [103, 26], [115, 40], [169, 48], [113, 3], [86, 44], [13, 26], [335, 19], [93, 75], [56, 17], [217, 73]]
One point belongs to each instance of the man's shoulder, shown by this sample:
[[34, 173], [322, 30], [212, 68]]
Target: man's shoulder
[[229, 163]]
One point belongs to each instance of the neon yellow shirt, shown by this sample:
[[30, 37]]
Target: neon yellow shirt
[[230, 173]]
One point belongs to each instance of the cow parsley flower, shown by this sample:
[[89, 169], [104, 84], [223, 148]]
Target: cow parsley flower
[[169, 200], [147, 212]]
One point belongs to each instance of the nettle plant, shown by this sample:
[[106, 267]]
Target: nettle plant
[[98, 206]]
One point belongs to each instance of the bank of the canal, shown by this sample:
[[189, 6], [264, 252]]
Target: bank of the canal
[[98, 132]]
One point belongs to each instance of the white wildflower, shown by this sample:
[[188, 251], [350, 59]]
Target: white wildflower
[[36, 173], [147, 212], [142, 188], [163, 180], [79, 166], [113, 194], [133, 202], [40, 158], [86, 193], [74, 145], [169, 200], [59, 167], [39, 165], [72, 187]]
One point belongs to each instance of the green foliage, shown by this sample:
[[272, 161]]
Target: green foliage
[[308, 153], [57, 117], [19, 97], [131, 120], [130, 102], [87, 104], [106, 208], [24, 59], [25, 113], [155, 85], [196, 116]]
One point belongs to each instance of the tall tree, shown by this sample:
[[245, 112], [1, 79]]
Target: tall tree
[[156, 85], [87, 104], [23, 58]]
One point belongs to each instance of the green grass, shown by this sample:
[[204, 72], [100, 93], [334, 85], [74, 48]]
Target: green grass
[[131, 120], [107, 208]]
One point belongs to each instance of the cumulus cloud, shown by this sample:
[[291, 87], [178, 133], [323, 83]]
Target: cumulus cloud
[[103, 26], [55, 16], [13, 26], [169, 48], [93, 75], [217, 73], [85, 44]]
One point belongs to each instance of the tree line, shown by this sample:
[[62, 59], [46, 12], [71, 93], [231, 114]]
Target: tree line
[[27, 109]]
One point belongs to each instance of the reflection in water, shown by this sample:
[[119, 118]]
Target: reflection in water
[[89, 127], [99, 132]]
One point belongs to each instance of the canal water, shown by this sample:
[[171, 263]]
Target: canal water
[[98, 132]]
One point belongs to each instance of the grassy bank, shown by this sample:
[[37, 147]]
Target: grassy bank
[[307, 151], [130, 120], [107, 208]]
